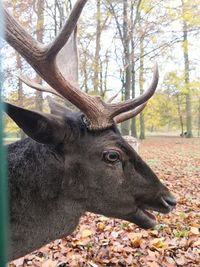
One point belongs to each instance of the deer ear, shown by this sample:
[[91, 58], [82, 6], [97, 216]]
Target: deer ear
[[56, 108], [43, 128]]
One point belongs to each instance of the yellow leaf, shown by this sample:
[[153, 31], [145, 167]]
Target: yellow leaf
[[194, 231], [103, 218], [85, 233], [194, 224], [196, 243], [159, 243], [101, 226]]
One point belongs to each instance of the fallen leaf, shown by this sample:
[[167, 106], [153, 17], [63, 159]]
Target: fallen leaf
[[93, 264], [136, 242], [86, 233], [152, 264], [194, 231], [49, 263], [101, 226], [181, 261], [159, 243], [196, 243]]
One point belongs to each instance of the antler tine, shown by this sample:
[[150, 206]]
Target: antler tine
[[67, 29], [129, 114], [113, 97], [118, 108], [38, 86]]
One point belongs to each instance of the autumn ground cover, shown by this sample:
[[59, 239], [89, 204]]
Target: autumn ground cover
[[99, 241]]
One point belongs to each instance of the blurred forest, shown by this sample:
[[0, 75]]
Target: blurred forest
[[118, 42]]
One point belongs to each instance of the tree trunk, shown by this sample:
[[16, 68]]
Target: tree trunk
[[85, 74], [141, 84], [180, 114], [97, 49], [105, 74], [199, 118], [133, 120], [39, 35], [101, 89], [134, 19], [188, 116], [187, 77], [126, 38]]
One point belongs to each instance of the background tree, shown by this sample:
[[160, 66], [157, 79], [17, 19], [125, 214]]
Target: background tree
[[39, 9]]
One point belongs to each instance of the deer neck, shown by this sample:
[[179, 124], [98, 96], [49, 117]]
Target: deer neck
[[40, 210]]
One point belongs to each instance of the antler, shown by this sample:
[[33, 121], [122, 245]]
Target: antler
[[37, 86], [129, 114], [44, 60]]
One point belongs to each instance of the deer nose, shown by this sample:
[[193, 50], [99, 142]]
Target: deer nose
[[169, 201]]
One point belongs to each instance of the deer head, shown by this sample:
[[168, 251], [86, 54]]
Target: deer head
[[100, 170]]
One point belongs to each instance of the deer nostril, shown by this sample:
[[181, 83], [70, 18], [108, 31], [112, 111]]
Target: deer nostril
[[170, 200]]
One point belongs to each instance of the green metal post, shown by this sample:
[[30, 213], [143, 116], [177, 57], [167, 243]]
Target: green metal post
[[3, 178]]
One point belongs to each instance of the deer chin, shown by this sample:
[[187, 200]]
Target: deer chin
[[143, 218]]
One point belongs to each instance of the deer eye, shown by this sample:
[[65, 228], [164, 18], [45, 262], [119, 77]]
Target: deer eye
[[111, 156]]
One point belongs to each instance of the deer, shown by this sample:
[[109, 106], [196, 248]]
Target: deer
[[73, 161]]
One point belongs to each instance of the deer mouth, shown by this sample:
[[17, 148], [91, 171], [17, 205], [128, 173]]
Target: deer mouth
[[150, 215], [145, 219]]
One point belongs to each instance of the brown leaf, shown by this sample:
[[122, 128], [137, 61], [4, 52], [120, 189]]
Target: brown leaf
[[169, 262], [129, 259], [49, 263], [134, 235], [152, 264], [136, 242], [151, 255], [181, 261], [154, 232]]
